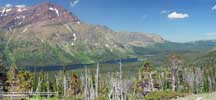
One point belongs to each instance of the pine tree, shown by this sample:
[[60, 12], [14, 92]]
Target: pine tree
[[1, 79], [1, 66], [146, 79], [12, 78], [24, 81], [75, 84], [18, 81]]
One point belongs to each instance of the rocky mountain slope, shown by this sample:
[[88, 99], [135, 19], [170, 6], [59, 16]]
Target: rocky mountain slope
[[48, 34]]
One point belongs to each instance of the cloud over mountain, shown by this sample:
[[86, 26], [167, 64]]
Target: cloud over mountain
[[8, 5], [164, 12], [214, 8], [74, 3], [21, 5], [211, 35], [176, 15]]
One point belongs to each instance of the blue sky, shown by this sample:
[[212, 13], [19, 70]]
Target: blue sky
[[174, 20]]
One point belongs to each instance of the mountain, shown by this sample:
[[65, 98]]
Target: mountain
[[48, 34], [206, 60], [190, 51], [13, 17]]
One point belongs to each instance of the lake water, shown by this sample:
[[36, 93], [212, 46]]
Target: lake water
[[76, 66]]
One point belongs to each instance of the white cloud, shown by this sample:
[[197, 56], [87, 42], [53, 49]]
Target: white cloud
[[8, 5], [164, 12], [21, 6], [175, 15], [74, 3], [214, 8], [211, 35]]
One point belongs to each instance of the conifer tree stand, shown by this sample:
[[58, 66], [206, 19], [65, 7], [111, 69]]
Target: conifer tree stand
[[1, 79]]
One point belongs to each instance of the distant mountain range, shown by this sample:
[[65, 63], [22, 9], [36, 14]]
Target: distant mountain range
[[48, 34]]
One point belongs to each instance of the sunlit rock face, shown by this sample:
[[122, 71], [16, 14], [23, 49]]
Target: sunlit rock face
[[11, 17]]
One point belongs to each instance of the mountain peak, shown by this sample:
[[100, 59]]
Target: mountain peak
[[53, 31], [48, 5], [40, 13]]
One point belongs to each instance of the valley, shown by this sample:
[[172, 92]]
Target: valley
[[49, 53]]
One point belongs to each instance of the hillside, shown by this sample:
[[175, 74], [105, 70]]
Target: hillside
[[189, 51], [206, 59], [48, 34]]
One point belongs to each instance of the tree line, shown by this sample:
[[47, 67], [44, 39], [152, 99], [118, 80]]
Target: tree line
[[175, 80]]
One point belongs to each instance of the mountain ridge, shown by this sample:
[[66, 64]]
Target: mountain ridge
[[58, 37], [48, 34]]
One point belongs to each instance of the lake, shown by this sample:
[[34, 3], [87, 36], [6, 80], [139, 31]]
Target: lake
[[77, 66]]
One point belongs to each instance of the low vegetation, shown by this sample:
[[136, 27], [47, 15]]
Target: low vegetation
[[204, 96], [177, 80]]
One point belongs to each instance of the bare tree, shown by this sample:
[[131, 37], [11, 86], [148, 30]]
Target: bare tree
[[96, 80], [1, 65], [175, 64]]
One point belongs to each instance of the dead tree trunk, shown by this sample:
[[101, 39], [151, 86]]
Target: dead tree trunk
[[151, 81], [173, 82], [175, 64], [96, 82]]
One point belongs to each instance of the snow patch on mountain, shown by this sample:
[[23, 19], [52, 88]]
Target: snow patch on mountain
[[20, 17], [21, 9], [8, 10], [74, 35], [25, 29], [66, 25], [72, 44], [19, 23], [78, 22], [55, 10], [5, 11]]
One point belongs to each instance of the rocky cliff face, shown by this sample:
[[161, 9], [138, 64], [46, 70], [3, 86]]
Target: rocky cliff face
[[12, 17]]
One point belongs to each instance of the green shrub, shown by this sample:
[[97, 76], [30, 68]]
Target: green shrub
[[41, 98], [163, 95]]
